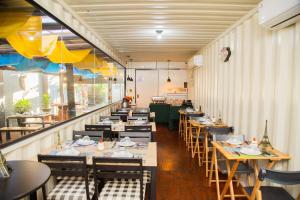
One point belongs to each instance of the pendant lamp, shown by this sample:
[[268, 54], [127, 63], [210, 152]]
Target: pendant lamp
[[169, 79]]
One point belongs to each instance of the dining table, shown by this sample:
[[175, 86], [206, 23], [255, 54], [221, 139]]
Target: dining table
[[200, 127], [41, 116], [231, 153], [25, 179], [146, 151]]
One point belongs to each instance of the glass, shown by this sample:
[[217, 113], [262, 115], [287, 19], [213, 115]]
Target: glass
[[47, 73]]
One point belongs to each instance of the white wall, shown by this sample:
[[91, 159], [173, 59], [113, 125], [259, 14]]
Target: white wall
[[260, 82], [178, 73], [13, 92]]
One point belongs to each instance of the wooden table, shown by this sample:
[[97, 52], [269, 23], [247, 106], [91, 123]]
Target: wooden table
[[22, 130], [231, 156], [149, 158], [24, 117], [25, 179], [199, 126]]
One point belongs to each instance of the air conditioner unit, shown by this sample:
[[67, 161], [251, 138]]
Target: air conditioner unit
[[196, 61], [277, 14]]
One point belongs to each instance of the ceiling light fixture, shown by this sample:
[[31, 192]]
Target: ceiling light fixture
[[31, 38], [159, 34]]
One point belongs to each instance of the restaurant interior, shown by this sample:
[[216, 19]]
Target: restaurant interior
[[149, 99]]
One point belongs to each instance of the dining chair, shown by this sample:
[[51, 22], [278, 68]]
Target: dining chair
[[122, 115], [71, 175], [94, 135], [223, 166], [134, 118], [119, 178], [105, 129], [143, 137], [210, 131], [141, 114], [111, 118], [138, 128], [272, 192]]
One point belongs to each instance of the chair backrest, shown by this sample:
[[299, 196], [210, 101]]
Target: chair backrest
[[141, 114], [112, 118], [220, 130], [133, 118], [106, 169], [122, 115], [280, 177], [67, 166], [140, 128], [97, 127], [124, 110], [143, 137], [94, 135], [224, 137]]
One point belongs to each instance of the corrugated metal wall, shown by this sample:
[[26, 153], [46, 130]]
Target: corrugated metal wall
[[260, 82]]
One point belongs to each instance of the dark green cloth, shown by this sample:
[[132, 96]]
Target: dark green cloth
[[162, 112], [174, 117]]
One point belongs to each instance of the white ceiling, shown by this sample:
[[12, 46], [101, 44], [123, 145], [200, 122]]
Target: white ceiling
[[129, 25]]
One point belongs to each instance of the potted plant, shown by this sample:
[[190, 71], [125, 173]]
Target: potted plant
[[45, 103], [22, 106]]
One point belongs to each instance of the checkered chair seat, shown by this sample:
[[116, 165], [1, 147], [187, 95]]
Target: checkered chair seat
[[71, 188], [122, 190], [146, 177]]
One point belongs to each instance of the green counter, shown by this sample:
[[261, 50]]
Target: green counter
[[165, 113]]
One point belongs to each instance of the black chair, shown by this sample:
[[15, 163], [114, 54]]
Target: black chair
[[118, 178], [71, 175], [134, 118], [122, 115], [139, 128], [141, 114], [143, 137], [94, 135], [111, 118], [105, 129], [271, 192]]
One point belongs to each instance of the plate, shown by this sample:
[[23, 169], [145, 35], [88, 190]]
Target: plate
[[250, 151], [126, 144], [82, 142], [234, 141]]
